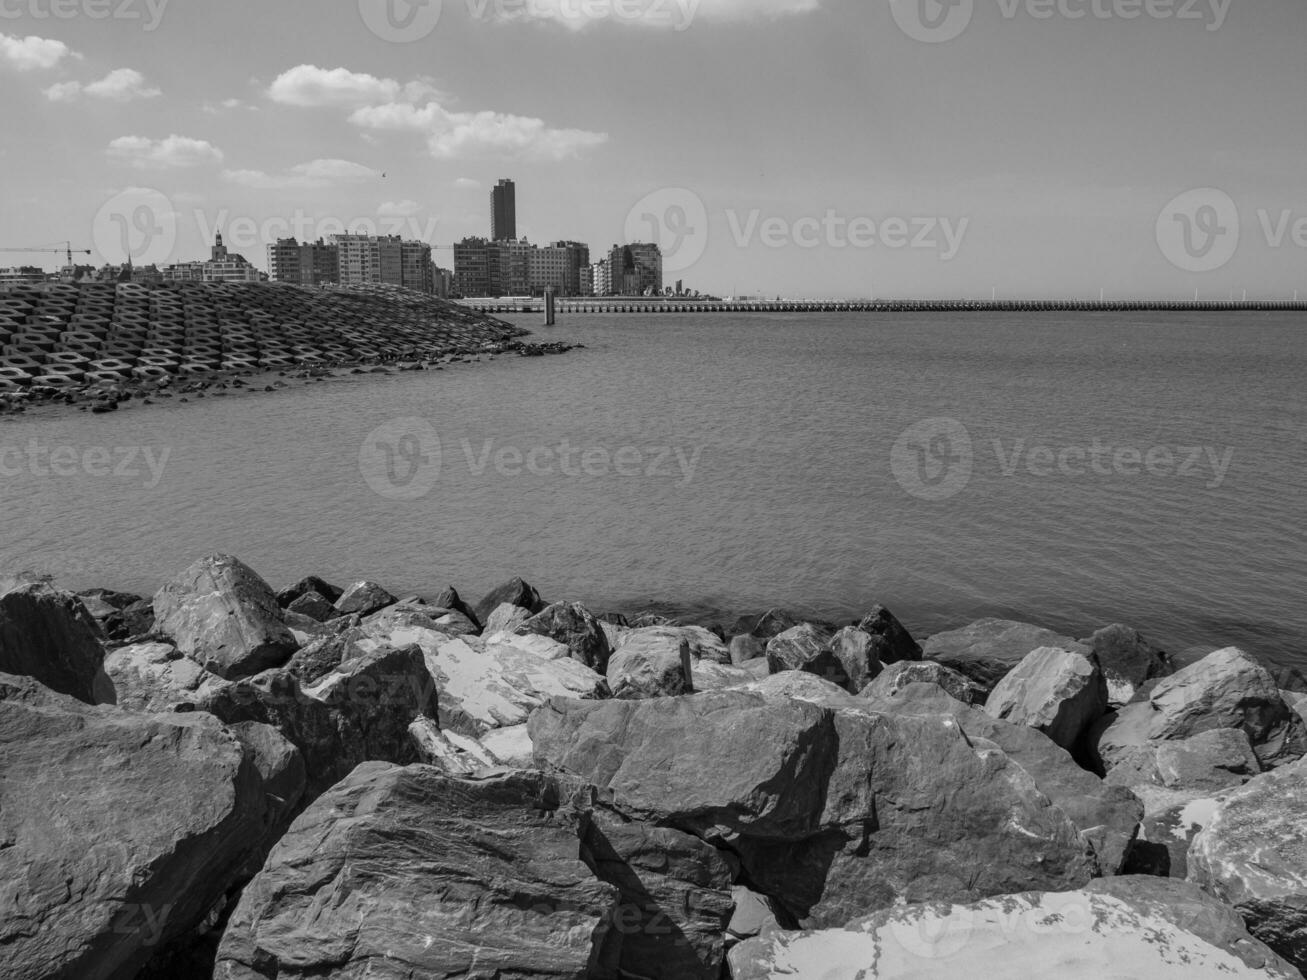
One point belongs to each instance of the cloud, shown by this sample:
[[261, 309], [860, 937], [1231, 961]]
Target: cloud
[[386, 105], [30, 53], [310, 86], [667, 14], [120, 85], [173, 152], [213, 108], [453, 135], [304, 176], [399, 209], [467, 184]]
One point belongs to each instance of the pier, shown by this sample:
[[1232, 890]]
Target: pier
[[617, 305]]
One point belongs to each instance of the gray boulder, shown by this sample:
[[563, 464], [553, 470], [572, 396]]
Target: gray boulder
[[1127, 660], [1227, 689], [806, 647], [359, 712], [675, 898], [315, 606], [905, 673], [832, 812], [1106, 816], [1055, 691], [988, 648], [857, 652], [363, 599], [894, 644], [224, 617], [1127, 929], [155, 678], [572, 625], [652, 662], [515, 593], [1252, 855], [399, 873], [122, 832], [47, 634]]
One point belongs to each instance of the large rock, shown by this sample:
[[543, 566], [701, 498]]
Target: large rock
[[450, 599], [452, 753], [806, 647], [1227, 689], [573, 626], [1127, 660], [1126, 929], [1252, 855], [414, 612], [894, 644], [708, 675], [1107, 816], [1054, 691], [155, 678], [315, 606], [832, 812], [121, 832], [857, 652], [675, 900], [224, 617], [505, 618], [746, 647], [1210, 761], [47, 634], [988, 648], [399, 873], [491, 686], [653, 662], [358, 712], [363, 599], [305, 585], [515, 593], [905, 673], [1171, 822], [772, 623]]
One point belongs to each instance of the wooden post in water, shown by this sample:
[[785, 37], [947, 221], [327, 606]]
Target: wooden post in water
[[551, 317]]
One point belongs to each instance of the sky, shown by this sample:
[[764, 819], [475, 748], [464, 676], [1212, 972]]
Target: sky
[[795, 148]]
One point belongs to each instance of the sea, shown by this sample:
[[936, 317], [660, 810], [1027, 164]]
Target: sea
[[1069, 470]]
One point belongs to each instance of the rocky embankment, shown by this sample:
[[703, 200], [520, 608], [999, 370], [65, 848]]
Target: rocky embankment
[[225, 781], [101, 345]]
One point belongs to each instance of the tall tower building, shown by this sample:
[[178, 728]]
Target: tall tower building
[[503, 212]]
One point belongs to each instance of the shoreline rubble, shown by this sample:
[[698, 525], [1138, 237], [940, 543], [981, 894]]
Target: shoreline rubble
[[483, 779]]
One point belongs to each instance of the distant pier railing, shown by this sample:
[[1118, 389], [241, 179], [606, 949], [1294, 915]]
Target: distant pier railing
[[615, 305]]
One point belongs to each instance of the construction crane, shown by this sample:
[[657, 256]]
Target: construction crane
[[66, 250]]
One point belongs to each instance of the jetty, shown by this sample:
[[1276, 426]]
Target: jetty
[[620, 305]]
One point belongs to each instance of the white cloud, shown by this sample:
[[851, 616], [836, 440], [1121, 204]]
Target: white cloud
[[308, 86], [29, 53], [453, 135], [120, 85], [213, 108], [64, 92], [676, 15], [175, 151], [467, 184], [304, 176], [399, 209]]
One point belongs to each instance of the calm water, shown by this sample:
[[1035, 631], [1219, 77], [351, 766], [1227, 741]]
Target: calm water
[[784, 492]]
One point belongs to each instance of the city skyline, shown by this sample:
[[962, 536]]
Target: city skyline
[[1134, 181]]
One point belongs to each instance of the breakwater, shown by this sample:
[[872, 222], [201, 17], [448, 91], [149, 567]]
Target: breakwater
[[102, 342], [634, 305]]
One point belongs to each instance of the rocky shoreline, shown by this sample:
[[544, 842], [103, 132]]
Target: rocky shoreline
[[221, 780], [102, 346]]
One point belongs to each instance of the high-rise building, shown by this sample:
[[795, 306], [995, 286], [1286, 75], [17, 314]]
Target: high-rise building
[[601, 279], [360, 259], [503, 212], [310, 264], [284, 260], [635, 270]]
